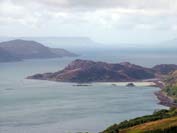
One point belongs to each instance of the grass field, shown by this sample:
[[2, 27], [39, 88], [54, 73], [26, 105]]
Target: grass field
[[152, 126]]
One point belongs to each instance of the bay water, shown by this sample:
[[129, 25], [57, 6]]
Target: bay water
[[34, 106]]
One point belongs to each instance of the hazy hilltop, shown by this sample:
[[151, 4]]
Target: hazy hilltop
[[75, 44], [27, 49], [85, 44], [62, 42], [24, 49]]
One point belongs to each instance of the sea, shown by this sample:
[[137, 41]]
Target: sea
[[35, 106]]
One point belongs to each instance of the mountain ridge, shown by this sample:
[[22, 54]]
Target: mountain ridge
[[27, 49]]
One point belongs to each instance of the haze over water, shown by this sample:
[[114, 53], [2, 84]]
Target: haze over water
[[42, 106]]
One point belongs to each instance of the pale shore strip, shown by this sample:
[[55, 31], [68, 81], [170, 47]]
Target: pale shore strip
[[163, 98], [138, 84]]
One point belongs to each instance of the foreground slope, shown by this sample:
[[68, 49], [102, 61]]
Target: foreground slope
[[164, 125], [163, 121]]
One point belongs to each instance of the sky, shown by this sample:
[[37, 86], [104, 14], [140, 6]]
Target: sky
[[110, 21]]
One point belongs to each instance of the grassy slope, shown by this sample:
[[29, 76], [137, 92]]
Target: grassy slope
[[171, 86], [163, 119], [151, 126]]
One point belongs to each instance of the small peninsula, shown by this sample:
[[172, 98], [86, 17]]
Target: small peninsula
[[85, 71]]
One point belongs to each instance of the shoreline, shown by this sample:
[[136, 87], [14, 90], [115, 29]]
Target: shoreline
[[162, 97], [165, 100], [136, 83]]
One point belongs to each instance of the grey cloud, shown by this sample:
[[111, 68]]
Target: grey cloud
[[121, 3], [119, 13], [103, 4]]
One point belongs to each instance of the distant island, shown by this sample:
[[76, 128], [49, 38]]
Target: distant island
[[17, 50], [89, 71], [5, 56]]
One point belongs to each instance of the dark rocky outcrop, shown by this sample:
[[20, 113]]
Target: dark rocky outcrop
[[130, 85], [90, 71]]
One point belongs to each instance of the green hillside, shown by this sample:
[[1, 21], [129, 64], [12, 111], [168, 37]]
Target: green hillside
[[158, 121], [168, 125], [171, 86]]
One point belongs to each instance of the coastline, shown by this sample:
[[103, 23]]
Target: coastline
[[136, 83], [164, 99], [161, 96]]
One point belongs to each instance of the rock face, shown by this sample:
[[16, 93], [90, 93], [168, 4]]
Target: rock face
[[165, 68], [30, 49], [90, 71]]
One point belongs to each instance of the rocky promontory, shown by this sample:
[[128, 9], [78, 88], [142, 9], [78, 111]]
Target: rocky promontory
[[91, 71]]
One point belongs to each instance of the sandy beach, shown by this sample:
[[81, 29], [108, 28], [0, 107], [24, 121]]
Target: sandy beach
[[138, 84]]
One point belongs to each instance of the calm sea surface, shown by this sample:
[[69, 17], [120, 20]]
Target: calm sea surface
[[31, 106]]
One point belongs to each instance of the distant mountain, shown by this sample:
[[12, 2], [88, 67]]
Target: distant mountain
[[90, 71], [6, 56], [30, 50], [76, 44]]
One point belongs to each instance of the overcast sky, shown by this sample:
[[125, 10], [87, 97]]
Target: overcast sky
[[111, 21]]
